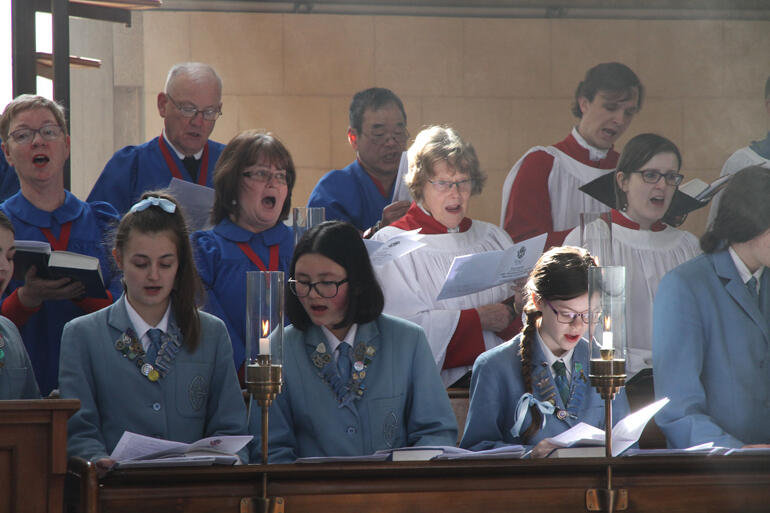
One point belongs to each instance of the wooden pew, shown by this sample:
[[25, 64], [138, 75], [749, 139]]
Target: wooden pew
[[33, 454], [671, 484]]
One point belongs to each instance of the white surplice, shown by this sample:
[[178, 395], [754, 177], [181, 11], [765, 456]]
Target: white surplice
[[647, 256], [412, 282]]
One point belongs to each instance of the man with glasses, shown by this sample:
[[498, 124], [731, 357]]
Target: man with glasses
[[190, 105], [541, 193], [362, 193]]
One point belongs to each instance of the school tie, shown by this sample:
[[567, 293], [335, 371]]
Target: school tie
[[152, 350], [752, 286], [343, 361], [191, 165], [561, 380]]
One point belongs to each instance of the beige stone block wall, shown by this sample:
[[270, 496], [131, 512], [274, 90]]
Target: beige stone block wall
[[505, 84]]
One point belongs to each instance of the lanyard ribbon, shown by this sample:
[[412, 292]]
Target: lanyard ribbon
[[171, 163], [258, 261], [62, 242]]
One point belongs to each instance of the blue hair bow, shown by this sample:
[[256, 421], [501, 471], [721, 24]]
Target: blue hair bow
[[525, 402], [153, 201]]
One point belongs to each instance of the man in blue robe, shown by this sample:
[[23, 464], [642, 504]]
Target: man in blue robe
[[190, 105], [362, 192]]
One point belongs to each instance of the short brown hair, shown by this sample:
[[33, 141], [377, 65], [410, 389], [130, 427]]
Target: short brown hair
[[27, 102], [244, 150], [441, 143]]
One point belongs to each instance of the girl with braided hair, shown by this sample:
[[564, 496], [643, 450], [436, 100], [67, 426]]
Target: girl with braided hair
[[536, 385]]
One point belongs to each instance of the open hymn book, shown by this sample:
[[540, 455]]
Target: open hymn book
[[52, 265], [136, 451], [624, 434]]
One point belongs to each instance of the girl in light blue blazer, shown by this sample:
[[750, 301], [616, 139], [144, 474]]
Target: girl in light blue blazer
[[17, 379], [711, 327], [536, 385], [355, 380], [151, 363]]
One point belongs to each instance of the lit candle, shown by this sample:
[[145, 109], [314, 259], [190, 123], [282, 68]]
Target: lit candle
[[607, 335], [264, 342]]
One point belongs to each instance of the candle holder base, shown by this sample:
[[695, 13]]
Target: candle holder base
[[264, 380], [262, 505], [606, 500], [607, 376]]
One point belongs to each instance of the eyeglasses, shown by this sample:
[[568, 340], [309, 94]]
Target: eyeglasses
[[325, 289], [652, 176], [264, 176], [569, 317], [27, 135], [382, 136], [445, 186], [190, 111]]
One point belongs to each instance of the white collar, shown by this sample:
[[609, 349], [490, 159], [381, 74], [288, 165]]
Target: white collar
[[179, 153], [594, 153], [743, 271], [333, 341], [141, 327], [551, 358]]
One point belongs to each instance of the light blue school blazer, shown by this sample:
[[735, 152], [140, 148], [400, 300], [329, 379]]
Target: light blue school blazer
[[404, 402], [711, 355], [198, 397], [497, 385], [17, 379]]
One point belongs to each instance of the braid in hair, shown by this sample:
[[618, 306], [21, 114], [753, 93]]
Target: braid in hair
[[560, 273], [525, 353]]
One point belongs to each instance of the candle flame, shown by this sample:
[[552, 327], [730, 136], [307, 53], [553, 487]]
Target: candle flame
[[607, 323], [265, 328]]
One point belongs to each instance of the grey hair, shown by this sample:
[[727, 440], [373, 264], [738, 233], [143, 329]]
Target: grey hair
[[193, 70]]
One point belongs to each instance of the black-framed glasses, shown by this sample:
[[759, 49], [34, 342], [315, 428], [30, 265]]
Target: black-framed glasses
[[264, 176], [653, 176], [569, 317], [382, 136], [324, 288], [445, 186], [190, 111], [25, 136]]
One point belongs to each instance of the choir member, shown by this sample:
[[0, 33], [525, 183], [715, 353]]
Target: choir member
[[536, 385], [443, 174], [36, 144], [643, 187], [711, 336], [355, 380], [253, 181], [151, 363]]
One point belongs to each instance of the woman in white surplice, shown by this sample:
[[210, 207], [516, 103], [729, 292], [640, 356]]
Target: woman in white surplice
[[443, 174], [645, 182]]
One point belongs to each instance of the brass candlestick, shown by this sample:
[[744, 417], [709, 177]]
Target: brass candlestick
[[606, 293], [264, 370]]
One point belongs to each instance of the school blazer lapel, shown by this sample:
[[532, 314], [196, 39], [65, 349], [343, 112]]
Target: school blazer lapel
[[725, 269]]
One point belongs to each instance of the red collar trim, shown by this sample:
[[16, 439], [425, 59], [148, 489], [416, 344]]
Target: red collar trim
[[571, 147], [376, 182], [621, 220], [416, 218]]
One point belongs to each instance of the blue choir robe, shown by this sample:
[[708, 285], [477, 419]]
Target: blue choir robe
[[9, 182], [497, 384], [198, 397], [349, 194], [17, 379], [403, 403], [133, 170], [91, 224], [223, 267], [711, 355]]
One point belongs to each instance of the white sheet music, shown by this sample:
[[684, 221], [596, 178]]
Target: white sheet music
[[480, 271]]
